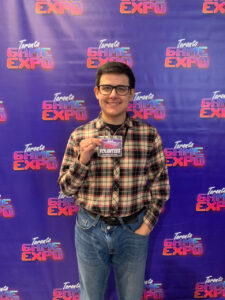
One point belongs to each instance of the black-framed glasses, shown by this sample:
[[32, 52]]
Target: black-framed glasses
[[106, 89]]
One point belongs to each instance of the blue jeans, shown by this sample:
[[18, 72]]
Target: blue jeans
[[98, 246]]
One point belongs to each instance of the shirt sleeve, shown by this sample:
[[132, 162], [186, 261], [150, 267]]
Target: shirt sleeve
[[159, 183], [72, 172]]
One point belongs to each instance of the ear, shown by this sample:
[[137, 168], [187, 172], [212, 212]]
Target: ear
[[96, 91], [132, 92]]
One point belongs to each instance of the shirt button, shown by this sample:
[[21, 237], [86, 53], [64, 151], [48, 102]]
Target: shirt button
[[108, 227], [115, 186]]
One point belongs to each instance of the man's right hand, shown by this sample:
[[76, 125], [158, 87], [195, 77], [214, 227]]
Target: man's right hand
[[87, 149]]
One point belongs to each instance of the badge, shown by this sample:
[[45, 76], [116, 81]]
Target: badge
[[110, 146]]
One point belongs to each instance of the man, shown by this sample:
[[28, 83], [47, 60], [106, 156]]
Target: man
[[120, 185]]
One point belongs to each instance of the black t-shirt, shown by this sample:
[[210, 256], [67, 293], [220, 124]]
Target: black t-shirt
[[113, 127]]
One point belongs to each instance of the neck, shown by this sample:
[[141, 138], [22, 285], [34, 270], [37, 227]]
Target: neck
[[118, 120]]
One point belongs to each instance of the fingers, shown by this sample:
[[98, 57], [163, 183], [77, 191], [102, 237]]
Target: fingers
[[87, 148], [89, 144]]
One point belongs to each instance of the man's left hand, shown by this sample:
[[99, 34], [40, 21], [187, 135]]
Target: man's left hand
[[143, 230]]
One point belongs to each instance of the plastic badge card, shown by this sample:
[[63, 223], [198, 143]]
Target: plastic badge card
[[110, 146]]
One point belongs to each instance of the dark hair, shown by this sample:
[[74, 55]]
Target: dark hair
[[116, 68]]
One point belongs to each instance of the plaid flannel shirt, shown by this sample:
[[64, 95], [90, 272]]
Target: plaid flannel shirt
[[118, 186]]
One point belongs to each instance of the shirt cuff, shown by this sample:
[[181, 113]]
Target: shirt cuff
[[147, 220], [78, 169]]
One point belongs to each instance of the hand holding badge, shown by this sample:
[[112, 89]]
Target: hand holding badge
[[110, 146]]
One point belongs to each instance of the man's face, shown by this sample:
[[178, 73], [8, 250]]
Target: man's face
[[114, 106]]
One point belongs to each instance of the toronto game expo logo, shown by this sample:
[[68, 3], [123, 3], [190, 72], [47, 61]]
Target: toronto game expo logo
[[144, 107], [64, 108], [152, 290], [59, 7], [211, 288], [7, 294], [62, 206], [30, 56], [184, 155], [214, 200], [108, 51], [143, 7], [213, 107], [42, 250], [183, 245], [69, 291], [6, 208], [213, 6], [34, 158], [187, 55], [3, 116]]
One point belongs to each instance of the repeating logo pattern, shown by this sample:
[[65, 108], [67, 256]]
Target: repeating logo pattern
[[108, 51], [59, 7], [29, 56], [143, 7], [183, 245], [6, 208], [7, 294], [153, 290], [64, 108], [184, 155], [62, 206], [213, 201], [3, 116], [69, 291], [35, 158], [187, 55], [144, 107], [213, 7], [212, 288], [42, 250], [213, 107]]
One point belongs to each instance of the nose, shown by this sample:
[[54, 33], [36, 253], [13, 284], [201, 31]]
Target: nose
[[113, 93]]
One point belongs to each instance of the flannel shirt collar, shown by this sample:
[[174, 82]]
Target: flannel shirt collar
[[101, 124]]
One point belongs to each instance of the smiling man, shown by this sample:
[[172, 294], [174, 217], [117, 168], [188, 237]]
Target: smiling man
[[114, 167]]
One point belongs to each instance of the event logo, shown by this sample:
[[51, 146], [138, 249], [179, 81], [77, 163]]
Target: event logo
[[107, 51], [187, 55], [152, 290], [41, 250], [213, 6], [2, 112], [35, 158], [143, 7], [64, 108], [214, 200], [6, 294], [6, 208], [144, 107], [213, 107], [184, 155], [59, 7], [29, 56], [67, 292], [183, 245], [62, 206], [211, 288]]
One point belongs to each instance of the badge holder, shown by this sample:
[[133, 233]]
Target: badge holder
[[110, 146]]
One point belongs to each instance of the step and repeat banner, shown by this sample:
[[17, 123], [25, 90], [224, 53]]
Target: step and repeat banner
[[49, 53]]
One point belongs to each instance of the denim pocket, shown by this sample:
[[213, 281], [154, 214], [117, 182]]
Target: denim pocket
[[84, 220], [132, 227]]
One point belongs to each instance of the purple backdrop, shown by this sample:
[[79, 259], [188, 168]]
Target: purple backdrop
[[49, 53]]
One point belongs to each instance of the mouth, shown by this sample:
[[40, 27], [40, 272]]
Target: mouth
[[113, 102]]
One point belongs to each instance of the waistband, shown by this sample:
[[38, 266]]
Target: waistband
[[114, 221]]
